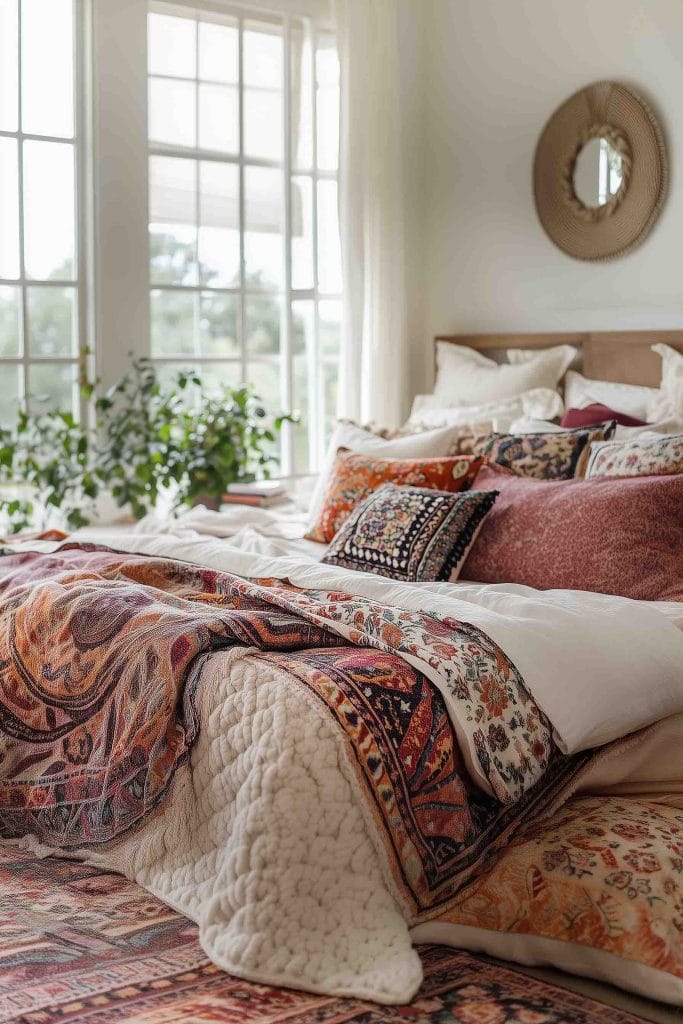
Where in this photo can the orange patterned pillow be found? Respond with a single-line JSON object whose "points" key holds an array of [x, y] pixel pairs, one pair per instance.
{"points": [[354, 476], [595, 890]]}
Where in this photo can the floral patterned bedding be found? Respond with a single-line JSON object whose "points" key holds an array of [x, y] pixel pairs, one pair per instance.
{"points": [[100, 660], [103, 705]]}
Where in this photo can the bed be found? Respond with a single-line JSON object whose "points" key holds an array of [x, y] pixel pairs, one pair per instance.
{"points": [[322, 767]]}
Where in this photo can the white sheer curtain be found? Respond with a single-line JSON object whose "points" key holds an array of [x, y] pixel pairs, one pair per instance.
{"points": [[373, 378]]}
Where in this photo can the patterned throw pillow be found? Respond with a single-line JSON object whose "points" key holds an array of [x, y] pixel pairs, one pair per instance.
{"points": [[410, 533], [557, 456], [354, 476], [608, 535], [409, 442], [643, 456], [594, 890]]}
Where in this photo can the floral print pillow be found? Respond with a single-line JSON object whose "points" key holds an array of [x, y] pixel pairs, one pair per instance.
{"points": [[559, 455], [355, 476], [599, 885], [410, 533], [643, 456]]}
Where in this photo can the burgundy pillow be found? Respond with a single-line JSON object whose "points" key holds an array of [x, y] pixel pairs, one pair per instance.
{"points": [[611, 535], [597, 413]]}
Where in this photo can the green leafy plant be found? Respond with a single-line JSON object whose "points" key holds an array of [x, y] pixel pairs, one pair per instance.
{"points": [[49, 455], [230, 441], [150, 440], [179, 440]]}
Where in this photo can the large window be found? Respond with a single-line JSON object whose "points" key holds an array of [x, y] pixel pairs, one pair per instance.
{"points": [[245, 270], [40, 299]]}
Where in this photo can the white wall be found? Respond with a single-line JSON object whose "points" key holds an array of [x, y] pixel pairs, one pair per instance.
{"points": [[492, 73]]}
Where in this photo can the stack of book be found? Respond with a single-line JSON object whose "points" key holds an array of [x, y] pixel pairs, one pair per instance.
{"points": [[260, 494]]}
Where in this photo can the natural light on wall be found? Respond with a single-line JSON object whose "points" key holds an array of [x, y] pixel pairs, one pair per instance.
{"points": [[39, 277], [244, 240]]}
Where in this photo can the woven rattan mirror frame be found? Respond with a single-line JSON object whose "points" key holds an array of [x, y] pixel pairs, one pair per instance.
{"points": [[603, 233]]}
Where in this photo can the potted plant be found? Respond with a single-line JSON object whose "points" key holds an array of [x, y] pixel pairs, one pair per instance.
{"points": [[150, 440], [46, 472], [180, 440]]}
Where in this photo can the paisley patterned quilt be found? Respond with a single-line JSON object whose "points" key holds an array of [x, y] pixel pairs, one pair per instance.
{"points": [[100, 657]]}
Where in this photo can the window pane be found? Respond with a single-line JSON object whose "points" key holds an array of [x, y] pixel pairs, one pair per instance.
{"points": [[52, 386], [265, 376], [218, 325], [173, 323], [263, 80], [263, 124], [167, 375], [263, 235], [329, 313], [172, 254], [216, 376], [172, 212], [330, 381], [9, 209], [49, 214], [302, 233], [302, 96], [219, 118], [10, 323], [10, 377], [218, 52], [327, 103], [219, 236], [47, 90], [263, 55], [303, 381], [9, 65], [329, 252], [263, 325], [171, 46], [52, 322], [172, 113]]}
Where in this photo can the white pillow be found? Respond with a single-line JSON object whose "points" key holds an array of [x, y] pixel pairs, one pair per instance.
{"points": [[466, 377], [528, 425], [632, 399], [426, 444], [432, 411], [523, 355], [667, 402]]}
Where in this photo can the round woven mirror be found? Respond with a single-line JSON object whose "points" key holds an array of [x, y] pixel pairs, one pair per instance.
{"points": [[600, 172]]}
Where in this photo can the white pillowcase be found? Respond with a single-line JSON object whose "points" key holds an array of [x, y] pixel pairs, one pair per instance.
{"points": [[632, 399], [432, 411], [466, 377], [424, 445], [667, 403]]}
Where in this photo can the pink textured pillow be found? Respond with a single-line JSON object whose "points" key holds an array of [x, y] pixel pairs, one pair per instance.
{"points": [[609, 535]]}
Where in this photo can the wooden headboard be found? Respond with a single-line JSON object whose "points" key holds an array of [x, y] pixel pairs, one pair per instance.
{"points": [[624, 356]]}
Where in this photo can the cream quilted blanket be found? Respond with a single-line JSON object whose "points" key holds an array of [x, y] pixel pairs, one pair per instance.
{"points": [[263, 842]]}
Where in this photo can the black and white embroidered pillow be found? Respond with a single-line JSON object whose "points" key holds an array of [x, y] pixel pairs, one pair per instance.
{"points": [[410, 533]]}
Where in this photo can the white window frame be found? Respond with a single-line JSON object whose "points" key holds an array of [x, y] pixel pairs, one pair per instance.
{"points": [[83, 223], [120, 151]]}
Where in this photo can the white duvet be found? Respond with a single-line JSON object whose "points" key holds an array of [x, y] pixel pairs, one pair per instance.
{"points": [[265, 840]]}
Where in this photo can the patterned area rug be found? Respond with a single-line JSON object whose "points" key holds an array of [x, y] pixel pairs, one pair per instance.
{"points": [[79, 945]]}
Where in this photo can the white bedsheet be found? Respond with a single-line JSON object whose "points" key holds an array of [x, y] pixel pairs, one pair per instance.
{"points": [[275, 531]]}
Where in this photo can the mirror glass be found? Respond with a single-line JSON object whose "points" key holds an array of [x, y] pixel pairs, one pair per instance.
{"points": [[597, 172]]}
